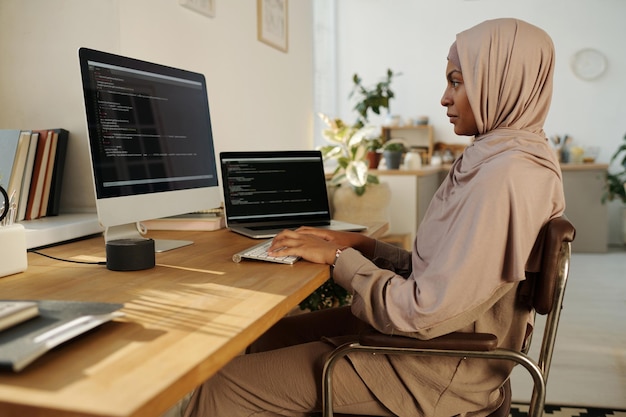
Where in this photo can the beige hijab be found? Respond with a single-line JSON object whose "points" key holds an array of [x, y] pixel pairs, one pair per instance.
{"points": [[507, 67], [480, 227]]}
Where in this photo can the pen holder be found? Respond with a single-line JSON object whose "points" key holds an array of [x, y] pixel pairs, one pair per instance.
{"points": [[12, 250]]}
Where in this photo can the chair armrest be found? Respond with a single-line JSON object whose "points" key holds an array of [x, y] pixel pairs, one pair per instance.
{"points": [[452, 341]]}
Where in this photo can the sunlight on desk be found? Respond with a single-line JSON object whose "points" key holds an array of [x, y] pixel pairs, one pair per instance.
{"points": [[182, 324]]}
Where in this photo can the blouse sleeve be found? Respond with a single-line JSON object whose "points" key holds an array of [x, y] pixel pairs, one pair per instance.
{"points": [[393, 258]]}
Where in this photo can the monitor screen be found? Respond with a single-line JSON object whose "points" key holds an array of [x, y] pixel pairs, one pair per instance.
{"points": [[150, 138]]}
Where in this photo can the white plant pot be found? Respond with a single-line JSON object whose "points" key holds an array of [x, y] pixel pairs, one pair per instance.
{"points": [[372, 206]]}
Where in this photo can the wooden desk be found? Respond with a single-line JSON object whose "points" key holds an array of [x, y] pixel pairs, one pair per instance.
{"points": [[185, 319]]}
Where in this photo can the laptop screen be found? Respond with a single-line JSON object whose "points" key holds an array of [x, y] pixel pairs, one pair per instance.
{"points": [[274, 187]]}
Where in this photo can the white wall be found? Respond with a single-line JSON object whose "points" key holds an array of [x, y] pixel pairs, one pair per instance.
{"points": [[260, 98], [413, 37]]}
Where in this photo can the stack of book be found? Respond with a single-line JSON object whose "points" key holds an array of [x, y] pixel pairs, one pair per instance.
{"points": [[30, 328], [201, 221], [31, 170]]}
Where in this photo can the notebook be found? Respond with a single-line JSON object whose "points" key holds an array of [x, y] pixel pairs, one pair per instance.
{"points": [[58, 322], [266, 192]]}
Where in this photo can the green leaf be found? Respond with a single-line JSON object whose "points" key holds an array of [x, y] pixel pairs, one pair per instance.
{"points": [[337, 179], [372, 179], [329, 294], [343, 162], [373, 98]]}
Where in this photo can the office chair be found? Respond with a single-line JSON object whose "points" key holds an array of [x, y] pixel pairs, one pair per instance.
{"points": [[548, 289]]}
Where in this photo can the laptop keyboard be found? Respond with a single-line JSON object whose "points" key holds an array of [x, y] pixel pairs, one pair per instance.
{"points": [[259, 252]]}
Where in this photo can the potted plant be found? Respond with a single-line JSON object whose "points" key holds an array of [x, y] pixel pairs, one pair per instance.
{"points": [[373, 155], [392, 152], [328, 295], [356, 195], [615, 188], [374, 98], [348, 147], [616, 181]]}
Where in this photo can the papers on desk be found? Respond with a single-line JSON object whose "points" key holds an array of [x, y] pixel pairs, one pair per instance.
{"points": [[16, 312], [57, 322]]}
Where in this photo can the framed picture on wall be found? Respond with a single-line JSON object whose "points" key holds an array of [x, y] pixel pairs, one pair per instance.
{"points": [[272, 22], [205, 7]]}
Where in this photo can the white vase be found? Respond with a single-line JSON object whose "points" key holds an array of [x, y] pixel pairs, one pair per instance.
{"points": [[412, 160], [372, 206]]}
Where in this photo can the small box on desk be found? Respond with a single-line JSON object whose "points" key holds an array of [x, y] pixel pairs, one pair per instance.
{"points": [[12, 250]]}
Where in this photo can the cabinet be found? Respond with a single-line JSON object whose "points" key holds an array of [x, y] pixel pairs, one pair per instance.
{"points": [[411, 192], [583, 185], [418, 137]]}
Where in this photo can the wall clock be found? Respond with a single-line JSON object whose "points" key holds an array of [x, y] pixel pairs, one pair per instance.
{"points": [[589, 63]]}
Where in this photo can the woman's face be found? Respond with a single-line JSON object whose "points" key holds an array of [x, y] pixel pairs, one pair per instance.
{"points": [[455, 99]]}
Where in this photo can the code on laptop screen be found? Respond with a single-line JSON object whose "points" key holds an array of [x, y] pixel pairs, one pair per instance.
{"points": [[265, 188]]}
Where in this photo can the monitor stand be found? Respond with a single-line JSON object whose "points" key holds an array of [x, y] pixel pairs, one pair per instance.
{"points": [[163, 245], [137, 231]]}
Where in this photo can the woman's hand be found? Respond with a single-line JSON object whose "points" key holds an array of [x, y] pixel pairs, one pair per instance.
{"points": [[365, 245], [319, 245], [310, 246]]}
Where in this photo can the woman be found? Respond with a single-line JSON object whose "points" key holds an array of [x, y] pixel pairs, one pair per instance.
{"points": [[467, 261]]}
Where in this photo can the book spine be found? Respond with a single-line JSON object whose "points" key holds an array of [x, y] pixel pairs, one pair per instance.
{"points": [[28, 175], [57, 174], [17, 176], [47, 183], [36, 186]]}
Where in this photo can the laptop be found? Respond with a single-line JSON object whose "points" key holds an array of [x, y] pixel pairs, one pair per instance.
{"points": [[266, 192]]}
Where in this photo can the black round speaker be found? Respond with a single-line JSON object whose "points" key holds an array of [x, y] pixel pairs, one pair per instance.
{"points": [[130, 254]]}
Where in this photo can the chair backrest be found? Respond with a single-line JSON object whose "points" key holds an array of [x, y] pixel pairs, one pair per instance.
{"points": [[553, 235], [552, 256]]}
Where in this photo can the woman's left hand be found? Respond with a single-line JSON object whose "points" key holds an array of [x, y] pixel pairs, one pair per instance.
{"points": [[307, 246]]}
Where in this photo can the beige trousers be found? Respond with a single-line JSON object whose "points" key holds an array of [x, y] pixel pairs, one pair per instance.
{"points": [[281, 373]]}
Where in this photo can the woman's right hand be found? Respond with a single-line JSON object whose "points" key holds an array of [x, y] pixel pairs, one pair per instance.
{"points": [[305, 245]]}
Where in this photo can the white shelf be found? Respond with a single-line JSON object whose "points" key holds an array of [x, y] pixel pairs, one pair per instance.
{"points": [[415, 136], [55, 229]]}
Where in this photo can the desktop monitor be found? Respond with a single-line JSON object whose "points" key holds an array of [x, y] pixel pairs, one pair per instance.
{"points": [[152, 152]]}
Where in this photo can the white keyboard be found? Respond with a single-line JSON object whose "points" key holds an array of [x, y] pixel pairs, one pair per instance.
{"points": [[259, 252]]}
